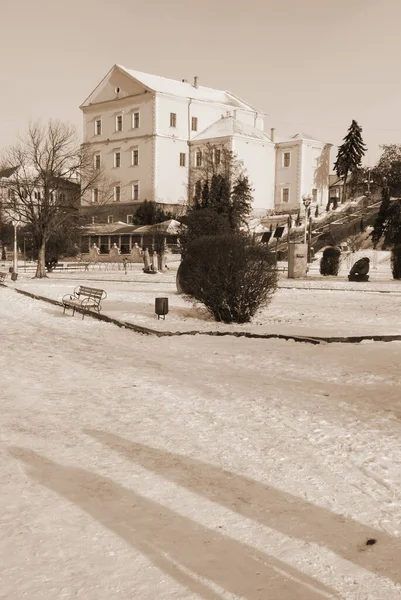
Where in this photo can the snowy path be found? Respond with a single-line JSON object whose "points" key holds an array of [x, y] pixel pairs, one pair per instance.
{"points": [[180, 468]]}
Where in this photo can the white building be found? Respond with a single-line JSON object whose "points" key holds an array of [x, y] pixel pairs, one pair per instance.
{"points": [[144, 131], [302, 168]]}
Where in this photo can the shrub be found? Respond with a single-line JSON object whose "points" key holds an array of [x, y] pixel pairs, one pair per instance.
{"points": [[330, 261], [396, 261], [230, 274]]}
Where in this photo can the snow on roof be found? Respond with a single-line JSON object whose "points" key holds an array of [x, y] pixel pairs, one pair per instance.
{"points": [[300, 136], [230, 126], [184, 89], [170, 227], [99, 228]]}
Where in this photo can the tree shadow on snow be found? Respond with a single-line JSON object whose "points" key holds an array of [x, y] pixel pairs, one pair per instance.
{"points": [[267, 505], [183, 549]]}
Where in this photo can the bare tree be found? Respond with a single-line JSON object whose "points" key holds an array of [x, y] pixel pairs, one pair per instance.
{"points": [[53, 171]]}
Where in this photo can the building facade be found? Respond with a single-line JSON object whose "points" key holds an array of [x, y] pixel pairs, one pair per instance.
{"points": [[145, 132]]}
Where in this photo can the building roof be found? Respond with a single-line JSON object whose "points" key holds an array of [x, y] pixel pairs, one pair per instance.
{"points": [[300, 136], [7, 172], [170, 227], [184, 89], [106, 228], [230, 127]]}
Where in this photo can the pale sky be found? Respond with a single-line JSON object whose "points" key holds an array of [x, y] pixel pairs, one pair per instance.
{"points": [[310, 65]]}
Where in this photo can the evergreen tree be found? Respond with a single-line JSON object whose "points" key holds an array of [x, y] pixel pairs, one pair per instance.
{"points": [[350, 154], [392, 225], [225, 198], [148, 213], [241, 202], [378, 228], [198, 193], [205, 195]]}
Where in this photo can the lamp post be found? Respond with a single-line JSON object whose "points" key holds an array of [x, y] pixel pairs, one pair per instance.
{"points": [[306, 200], [368, 182], [14, 274]]}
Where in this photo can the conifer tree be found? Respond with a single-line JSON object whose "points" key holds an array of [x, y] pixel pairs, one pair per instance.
{"points": [[205, 194], [379, 226], [241, 201], [350, 154]]}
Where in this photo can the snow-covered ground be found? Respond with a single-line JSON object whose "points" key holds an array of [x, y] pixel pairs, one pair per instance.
{"points": [[197, 467], [320, 306]]}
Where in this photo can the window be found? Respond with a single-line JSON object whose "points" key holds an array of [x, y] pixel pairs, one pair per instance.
{"points": [[135, 190], [135, 120], [198, 159], [182, 159], [194, 124], [98, 127], [93, 220], [110, 219], [286, 159], [314, 195], [117, 159], [117, 193], [95, 195], [217, 157], [173, 120], [130, 219], [285, 195], [96, 161], [135, 157], [119, 123], [62, 197]]}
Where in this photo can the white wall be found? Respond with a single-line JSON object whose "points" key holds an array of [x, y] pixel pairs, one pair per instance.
{"points": [[170, 178], [111, 140], [288, 177], [316, 163], [259, 162]]}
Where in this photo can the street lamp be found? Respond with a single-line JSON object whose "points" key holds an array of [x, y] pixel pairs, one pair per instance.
{"points": [[368, 182], [306, 200], [14, 274]]}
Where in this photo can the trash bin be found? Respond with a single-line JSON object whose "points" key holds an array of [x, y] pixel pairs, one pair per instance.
{"points": [[161, 307]]}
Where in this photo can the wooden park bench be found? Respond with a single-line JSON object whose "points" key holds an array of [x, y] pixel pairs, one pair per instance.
{"points": [[84, 299], [2, 277]]}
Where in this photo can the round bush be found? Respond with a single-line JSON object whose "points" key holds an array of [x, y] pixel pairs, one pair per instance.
{"points": [[396, 261], [232, 275], [330, 261]]}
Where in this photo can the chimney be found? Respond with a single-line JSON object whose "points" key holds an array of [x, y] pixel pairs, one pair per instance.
{"points": [[196, 82], [272, 134], [184, 80]]}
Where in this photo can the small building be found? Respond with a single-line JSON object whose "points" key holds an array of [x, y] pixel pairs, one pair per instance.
{"points": [[108, 235], [302, 169]]}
